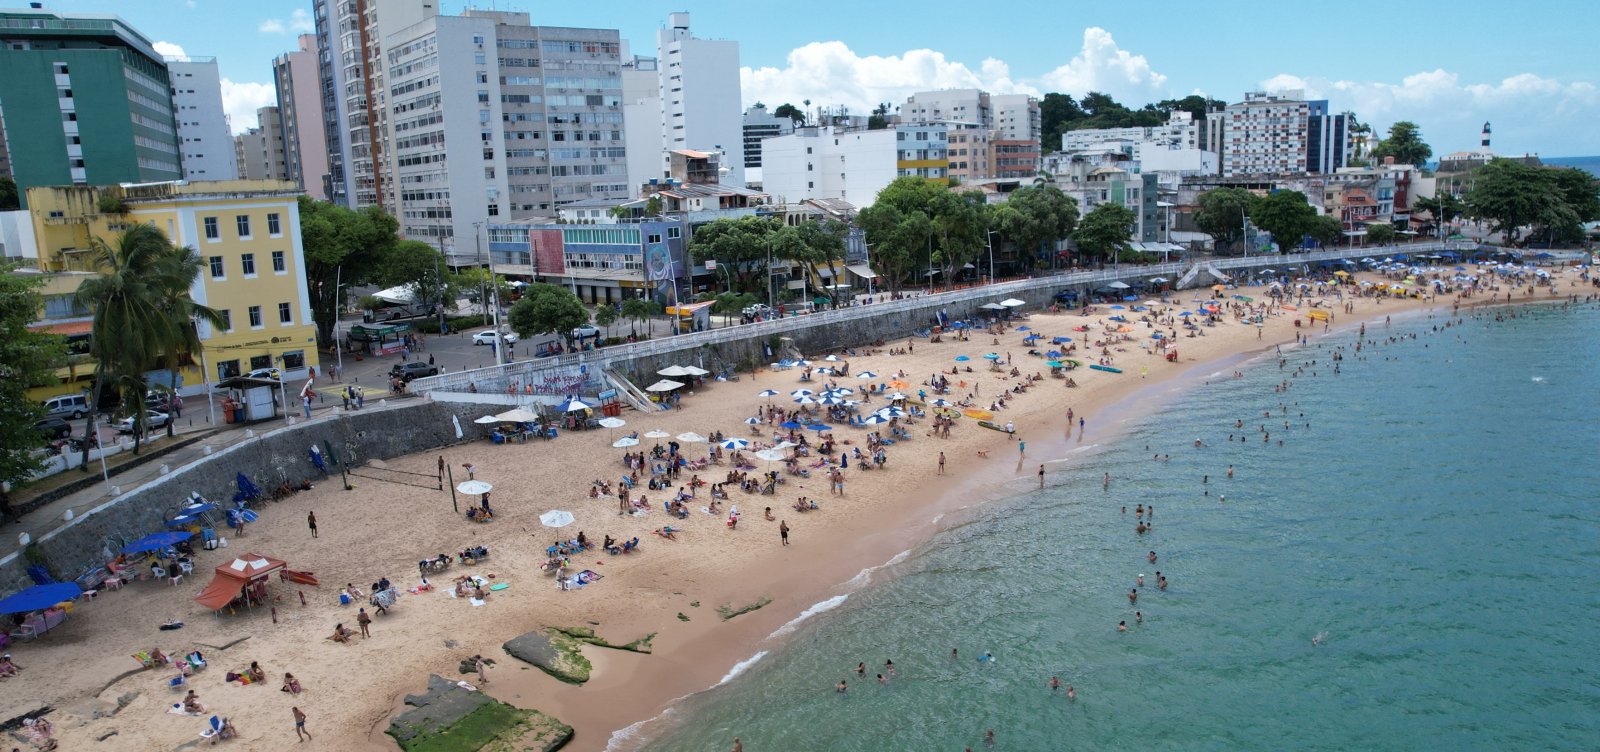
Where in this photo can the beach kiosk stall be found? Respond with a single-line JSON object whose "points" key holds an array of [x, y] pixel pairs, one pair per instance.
{"points": [[692, 317], [242, 581], [246, 399]]}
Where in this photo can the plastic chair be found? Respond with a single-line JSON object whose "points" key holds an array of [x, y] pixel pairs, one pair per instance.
{"points": [[158, 572], [186, 566], [216, 728], [176, 578]]}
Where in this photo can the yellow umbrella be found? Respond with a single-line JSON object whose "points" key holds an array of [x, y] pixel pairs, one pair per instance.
{"points": [[1341, 273]]}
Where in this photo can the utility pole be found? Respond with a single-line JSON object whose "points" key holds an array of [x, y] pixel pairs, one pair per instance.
{"points": [[1244, 223], [987, 242], [499, 338]]}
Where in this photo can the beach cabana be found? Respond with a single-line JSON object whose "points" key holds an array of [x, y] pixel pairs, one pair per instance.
{"points": [[244, 577]]}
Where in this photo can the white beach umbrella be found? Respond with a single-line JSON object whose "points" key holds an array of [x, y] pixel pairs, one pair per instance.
{"points": [[896, 397], [832, 359], [784, 445], [691, 438], [518, 415], [1013, 302], [866, 375], [612, 422], [625, 442], [801, 393], [731, 443], [474, 487], [672, 371], [487, 419], [656, 433], [664, 385], [556, 518], [695, 371], [770, 455]]}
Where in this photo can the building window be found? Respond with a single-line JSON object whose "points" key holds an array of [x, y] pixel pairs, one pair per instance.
{"points": [[674, 232], [212, 233], [274, 226], [260, 361], [280, 265], [285, 315], [255, 317], [242, 222], [655, 237], [227, 319], [227, 369], [217, 270], [249, 262], [294, 359]]}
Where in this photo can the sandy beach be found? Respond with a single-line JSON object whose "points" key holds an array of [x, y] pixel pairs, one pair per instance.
{"points": [[380, 529]]}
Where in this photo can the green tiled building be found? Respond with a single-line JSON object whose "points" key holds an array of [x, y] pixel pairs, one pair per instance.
{"points": [[84, 100]]}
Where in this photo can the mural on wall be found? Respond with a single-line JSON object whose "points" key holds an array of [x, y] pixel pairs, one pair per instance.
{"points": [[662, 268]]}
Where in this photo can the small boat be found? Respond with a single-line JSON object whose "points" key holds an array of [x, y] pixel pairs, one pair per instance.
{"points": [[1107, 369]]}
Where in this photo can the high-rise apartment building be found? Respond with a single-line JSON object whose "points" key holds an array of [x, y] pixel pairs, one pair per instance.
{"points": [[1282, 132], [305, 142], [973, 106], [259, 151], [530, 117], [350, 39], [700, 98], [203, 134], [758, 125], [990, 135], [829, 163], [641, 119], [969, 151], [84, 99], [1017, 117]]}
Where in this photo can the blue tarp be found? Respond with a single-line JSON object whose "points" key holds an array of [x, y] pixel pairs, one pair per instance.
{"points": [[155, 542], [248, 491], [40, 597]]}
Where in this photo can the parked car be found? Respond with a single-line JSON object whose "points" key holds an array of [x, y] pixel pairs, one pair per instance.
{"points": [[486, 337], [67, 406], [587, 330], [758, 309], [412, 370], [53, 428], [271, 374], [153, 419]]}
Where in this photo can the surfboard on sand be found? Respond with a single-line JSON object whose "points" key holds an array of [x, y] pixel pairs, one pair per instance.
{"points": [[1107, 369]]}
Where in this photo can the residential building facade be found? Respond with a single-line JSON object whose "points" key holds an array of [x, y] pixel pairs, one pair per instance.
{"points": [[247, 233], [260, 150], [1282, 132], [760, 124], [84, 99], [203, 134], [641, 119], [305, 142], [972, 106], [829, 163], [700, 95], [923, 150], [968, 151], [531, 117], [602, 263], [1017, 117]]}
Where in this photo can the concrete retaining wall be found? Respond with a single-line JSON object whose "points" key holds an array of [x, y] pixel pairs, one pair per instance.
{"points": [[269, 459]]}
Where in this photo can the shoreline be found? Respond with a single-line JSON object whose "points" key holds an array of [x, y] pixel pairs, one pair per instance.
{"points": [[382, 530]]}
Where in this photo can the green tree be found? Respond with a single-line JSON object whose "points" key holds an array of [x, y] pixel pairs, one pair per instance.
{"points": [[792, 112], [1511, 195], [10, 198], [1380, 234], [1285, 214], [959, 221], [1221, 212], [637, 310], [1056, 114], [898, 241], [879, 119], [182, 312], [741, 247], [816, 245], [1444, 207], [1580, 203], [1405, 144], [1035, 217], [1103, 233], [1327, 230], [420, 268], [545, 309], [731, 304], [342, 247], [27, 359], [605, 316]]}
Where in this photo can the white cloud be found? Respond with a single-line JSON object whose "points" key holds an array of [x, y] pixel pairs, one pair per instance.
{"points": [[272, 26], [241, 100], [1451, 112], [1104, 67], [830, 73], [168, 49], [300, 22]]}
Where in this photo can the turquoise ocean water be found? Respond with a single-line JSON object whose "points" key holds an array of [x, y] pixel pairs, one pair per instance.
{"points": [[1439, 521]]}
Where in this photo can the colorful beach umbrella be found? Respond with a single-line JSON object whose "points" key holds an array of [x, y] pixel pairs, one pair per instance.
{"points": [[732, 443], [962, 358]]}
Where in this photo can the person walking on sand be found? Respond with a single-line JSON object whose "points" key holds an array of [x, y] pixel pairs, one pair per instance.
{"points": [[362, 619], [311, 519], [783, 531], [941, 463], [482, 669], [300, 731]]}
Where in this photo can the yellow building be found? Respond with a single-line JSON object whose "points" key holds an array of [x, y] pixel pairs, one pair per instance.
{"points": [[247, 233]]}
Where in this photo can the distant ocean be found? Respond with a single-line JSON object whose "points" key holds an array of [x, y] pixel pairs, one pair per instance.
{"points": [[1591, 164], [1438, 524]]}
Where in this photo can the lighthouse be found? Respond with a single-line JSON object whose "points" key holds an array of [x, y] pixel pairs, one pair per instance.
{"points": [[1484, 147]]}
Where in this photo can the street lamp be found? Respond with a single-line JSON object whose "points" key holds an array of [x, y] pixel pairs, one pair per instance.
{"points": [[478, 228], [868, 246], [987, 233]]}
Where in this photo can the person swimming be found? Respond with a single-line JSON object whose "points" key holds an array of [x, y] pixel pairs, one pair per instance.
{"points": [[1320, 637], [987, 657]]}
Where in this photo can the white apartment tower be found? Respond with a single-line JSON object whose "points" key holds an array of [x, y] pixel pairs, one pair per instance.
{"points": [[700, 96], [971, 106], [350, 36], [1282, 132], [204, 139], [641, 116], [492, 120], [305, 144], [828, 162], [1017, 117]]}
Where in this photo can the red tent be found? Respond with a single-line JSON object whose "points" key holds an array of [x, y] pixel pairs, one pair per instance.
{"points": [[233, 577]]}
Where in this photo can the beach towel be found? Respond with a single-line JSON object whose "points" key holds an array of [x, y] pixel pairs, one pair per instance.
{"points": [[499, 586], [177, 709], [477, 602]]}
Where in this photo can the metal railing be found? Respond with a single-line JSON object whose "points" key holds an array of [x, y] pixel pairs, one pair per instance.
{"points": [[498, 377]]}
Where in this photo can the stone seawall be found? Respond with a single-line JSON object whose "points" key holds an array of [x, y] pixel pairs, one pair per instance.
{"points": [[272, 457]]}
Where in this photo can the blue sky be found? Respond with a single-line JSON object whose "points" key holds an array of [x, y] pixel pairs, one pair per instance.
{"points": [[1527, 67]]}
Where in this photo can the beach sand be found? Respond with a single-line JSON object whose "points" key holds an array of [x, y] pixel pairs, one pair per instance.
{"points": [[382, 529]]}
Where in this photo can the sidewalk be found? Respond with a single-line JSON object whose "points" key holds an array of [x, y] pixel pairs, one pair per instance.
{"points": [[52, 516]]}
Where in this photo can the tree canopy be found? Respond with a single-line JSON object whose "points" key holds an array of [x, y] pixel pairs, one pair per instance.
{"points": [[1103, 233], [545, 309], [741, 247], [1285, 214], [420, 267], [1221, 212], [792, 112], [1327, 230], [1034, 218], [1405, 144], [341, 247], [27, 359], [1554, 202]]}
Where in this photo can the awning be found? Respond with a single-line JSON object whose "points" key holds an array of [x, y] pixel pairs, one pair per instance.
{"points": [[222, 590], [251, 567], [402, 295], [862, 270], [826, 271]]}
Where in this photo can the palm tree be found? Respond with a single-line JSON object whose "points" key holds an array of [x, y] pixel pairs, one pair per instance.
{"points": [[143, 316]]}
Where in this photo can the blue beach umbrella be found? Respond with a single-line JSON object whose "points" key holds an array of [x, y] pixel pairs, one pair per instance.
{"points": [[1054, 354], [819, 427], [1024, 328], [791, 425], [962, 358], [731, 443], [1119, 308], [155, 542], [991, 356], [768, 393], [875, 420], [1054, 364], [1060, 340], [801, 393], [40, 597]]}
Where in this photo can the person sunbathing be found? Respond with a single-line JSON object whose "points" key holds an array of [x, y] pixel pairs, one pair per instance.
{"points": [[191, 704], [254, 673], [290, 684], [667, 532], [341, 633]]}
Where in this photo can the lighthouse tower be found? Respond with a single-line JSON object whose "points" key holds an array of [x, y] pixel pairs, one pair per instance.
{"points": [[1484, 147]]}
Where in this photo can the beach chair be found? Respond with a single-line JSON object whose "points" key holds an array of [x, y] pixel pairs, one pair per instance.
{"points": [[178, 682], [213, 728]]}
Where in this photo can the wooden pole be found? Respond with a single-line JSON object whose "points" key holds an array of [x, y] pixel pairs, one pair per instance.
{"points": [[451, 472]]}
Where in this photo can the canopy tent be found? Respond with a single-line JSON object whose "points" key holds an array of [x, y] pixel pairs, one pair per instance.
{"points": [[156, 542], [575, 405], [517, 415], [695, 371], [39, 597], [486, 420], [1013, 303], [673, 371], [401, 295], [233, 577], [664, 385], [1118, 285]]}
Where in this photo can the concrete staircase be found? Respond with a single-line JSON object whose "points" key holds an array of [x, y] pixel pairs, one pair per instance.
{"points": [[629, 393]]}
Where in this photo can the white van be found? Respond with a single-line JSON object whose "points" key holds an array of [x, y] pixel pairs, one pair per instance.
{"points": [[67, 406]]}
